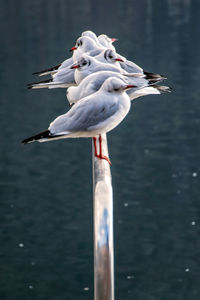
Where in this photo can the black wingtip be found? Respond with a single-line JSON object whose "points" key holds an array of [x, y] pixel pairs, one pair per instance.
{"points": [[30, 85], [37, 73], [47, 70], [41, 135], [150, 75], [163, 88]]}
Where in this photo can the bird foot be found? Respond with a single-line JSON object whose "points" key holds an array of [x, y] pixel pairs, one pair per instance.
{"points": [[104, 157]]}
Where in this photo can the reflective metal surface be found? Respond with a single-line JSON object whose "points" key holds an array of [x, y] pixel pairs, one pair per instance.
{"points": [[103, 227]]}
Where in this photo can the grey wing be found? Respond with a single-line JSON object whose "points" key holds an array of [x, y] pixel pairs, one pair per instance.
{"points": [[84, 89], [65, 75], [66, 63], [90, 85], [107, 67], [94, 114], [131, 67], [84, 114], [93, 82], [89, 88], [94, 52]]}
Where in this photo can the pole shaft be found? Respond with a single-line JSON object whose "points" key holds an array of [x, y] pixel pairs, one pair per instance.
{"points": [[103, 227]]}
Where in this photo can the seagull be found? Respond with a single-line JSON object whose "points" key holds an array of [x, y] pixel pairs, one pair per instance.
{"points": [[92, 116], [90, 85], [93, 82], [88, 64], [84, 44]]}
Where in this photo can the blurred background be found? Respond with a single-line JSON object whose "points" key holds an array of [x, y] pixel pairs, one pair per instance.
{"points": [[46, 230]]}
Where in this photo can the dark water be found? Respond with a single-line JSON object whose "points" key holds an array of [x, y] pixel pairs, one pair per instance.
{"points": [[46, 189]]}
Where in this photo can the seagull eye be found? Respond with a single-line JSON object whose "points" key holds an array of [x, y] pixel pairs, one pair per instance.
{"points": [[116, 89], [84, 63], [79, 43], [110, 56]]}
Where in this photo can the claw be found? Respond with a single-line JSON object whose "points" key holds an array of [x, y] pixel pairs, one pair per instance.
{"points": [[100, 155], [104, 157]]}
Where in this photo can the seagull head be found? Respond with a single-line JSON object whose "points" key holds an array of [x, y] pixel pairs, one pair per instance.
{"points": [[85, 43], [111, 56], [81, 64], [105, 40], [116, 86]]}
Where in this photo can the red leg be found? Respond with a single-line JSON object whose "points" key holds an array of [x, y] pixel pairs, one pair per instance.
{"points": [[95, 146], [100, 145], [101, 156], [100, 149]]}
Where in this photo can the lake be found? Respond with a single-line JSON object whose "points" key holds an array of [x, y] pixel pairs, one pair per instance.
{"points": [[46, 227]]}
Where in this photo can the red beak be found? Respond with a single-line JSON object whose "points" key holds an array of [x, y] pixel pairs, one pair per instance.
{"points": [[119, 59], [130, 86], [114, 40], [73, 48], [75, 66]]}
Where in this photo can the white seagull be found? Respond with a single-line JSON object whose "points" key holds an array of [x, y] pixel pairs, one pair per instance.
{"points": [[93, 82], [92, 116], [84, 44], [87, 65]]}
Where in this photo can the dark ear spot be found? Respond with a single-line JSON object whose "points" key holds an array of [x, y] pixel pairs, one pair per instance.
{"points": [[105, 54], [110, 54]]}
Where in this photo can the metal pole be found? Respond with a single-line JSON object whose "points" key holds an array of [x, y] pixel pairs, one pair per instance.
{"points": [[103, 227]]}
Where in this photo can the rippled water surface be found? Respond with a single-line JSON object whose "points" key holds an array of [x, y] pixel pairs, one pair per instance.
{"points": [[46, 189]]}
